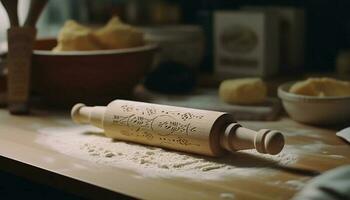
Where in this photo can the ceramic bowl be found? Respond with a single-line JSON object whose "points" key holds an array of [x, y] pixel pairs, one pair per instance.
{"points": [[95, 77], [315, 110]]}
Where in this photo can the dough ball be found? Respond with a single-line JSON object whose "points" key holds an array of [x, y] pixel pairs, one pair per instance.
{"points": [[117, 35], [76, 37], [243, 91], [321, 87]]}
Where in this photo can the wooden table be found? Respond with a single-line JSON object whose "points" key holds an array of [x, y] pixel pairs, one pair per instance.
{"points": [[21, 155]]}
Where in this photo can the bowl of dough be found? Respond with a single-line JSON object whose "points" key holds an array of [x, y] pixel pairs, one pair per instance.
{"points": [[317, 101], [94, 65]]}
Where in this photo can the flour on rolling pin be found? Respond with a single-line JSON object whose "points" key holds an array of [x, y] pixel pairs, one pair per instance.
{"points": [[190, 130]]}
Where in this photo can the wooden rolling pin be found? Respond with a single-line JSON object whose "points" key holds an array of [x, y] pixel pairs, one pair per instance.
{"points": [[185, 129]]}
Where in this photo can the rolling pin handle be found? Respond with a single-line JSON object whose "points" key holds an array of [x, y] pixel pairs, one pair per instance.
{"points": [[77, 116], [265, 141], [269, 141], [83, 114]]}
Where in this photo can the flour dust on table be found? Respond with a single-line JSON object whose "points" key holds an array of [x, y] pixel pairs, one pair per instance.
{"points": [[89, 143]]}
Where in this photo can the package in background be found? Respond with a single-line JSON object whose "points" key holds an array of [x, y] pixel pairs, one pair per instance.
{"points": [[292, 35], [246, 43]]}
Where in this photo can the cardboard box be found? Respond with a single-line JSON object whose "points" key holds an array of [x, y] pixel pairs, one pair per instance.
{"points": [[292, 35], [246, 43]]}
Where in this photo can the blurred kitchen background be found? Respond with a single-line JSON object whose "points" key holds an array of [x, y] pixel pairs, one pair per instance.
{"points": [[327, 22]]}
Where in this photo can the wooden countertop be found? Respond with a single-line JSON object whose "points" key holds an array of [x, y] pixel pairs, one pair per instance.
{"points": [[21, 155]]}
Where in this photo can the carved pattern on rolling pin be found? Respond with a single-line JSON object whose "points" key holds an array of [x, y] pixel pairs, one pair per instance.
{"points": [[163, 124], [178, 140], [149, 111], [143, 121]]}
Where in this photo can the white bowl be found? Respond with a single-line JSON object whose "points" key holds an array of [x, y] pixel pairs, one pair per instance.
{"points": [[315, 110]]}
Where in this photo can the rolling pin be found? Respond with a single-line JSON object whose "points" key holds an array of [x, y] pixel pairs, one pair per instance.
{"points": [[190, 130]]}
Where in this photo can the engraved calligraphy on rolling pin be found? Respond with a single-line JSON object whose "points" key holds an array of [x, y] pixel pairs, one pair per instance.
{"points": [[198, 131]]}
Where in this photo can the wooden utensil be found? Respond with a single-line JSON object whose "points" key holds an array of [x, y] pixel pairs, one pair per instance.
{"points": [[35, 9], [11, 9], [192, 130], [20, 47]]}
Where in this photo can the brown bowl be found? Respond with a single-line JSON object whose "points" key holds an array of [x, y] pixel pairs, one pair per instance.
{"points": [[94, 77]]}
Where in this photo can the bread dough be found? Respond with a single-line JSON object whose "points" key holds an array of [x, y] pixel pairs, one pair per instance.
{"points": [[76, 37], [321, 87], [243, 91], [116, 35]]}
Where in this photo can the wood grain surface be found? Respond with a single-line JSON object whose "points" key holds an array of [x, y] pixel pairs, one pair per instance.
{"points": [[21, 155]]}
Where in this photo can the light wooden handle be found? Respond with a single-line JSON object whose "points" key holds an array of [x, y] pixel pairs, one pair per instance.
{"points": [[265, 141], [82, 114]]}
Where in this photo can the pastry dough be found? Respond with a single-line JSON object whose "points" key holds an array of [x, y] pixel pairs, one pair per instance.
{"points": [[76, 37], [116, 35], [243, 91], [321, 87]]}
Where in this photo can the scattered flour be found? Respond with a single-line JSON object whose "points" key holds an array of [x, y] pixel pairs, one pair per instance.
{"points": [[301, 132], [296, 184], [89, 143], [226, 196], [336, 156]]}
